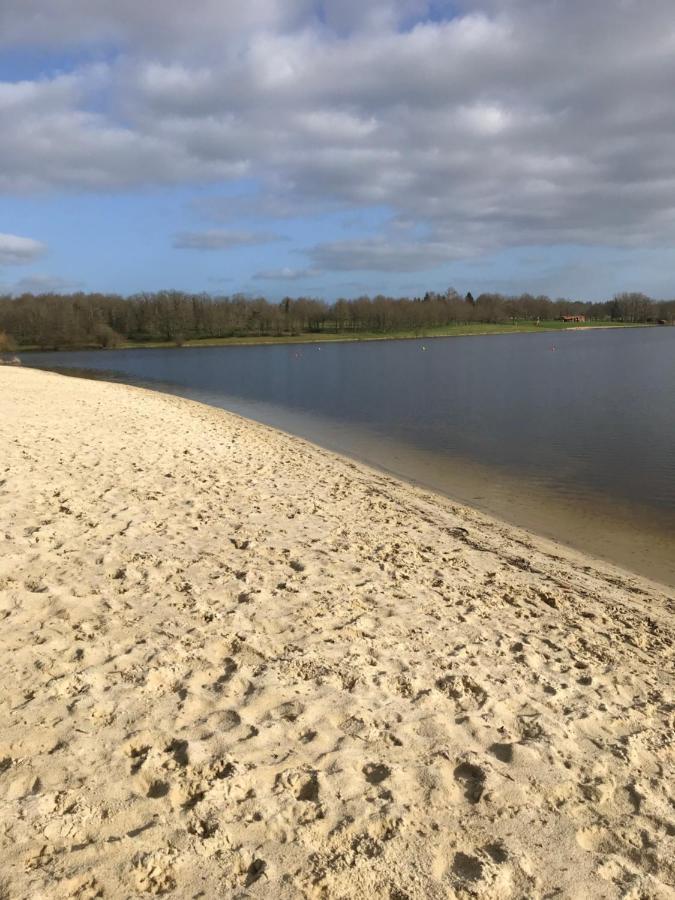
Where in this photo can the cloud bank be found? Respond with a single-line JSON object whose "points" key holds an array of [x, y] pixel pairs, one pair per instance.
{"points": [[483, 124]]}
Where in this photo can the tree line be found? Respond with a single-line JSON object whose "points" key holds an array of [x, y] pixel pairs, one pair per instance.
{"points": [[51, 321]]}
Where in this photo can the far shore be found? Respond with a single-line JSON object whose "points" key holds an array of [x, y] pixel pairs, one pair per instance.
{"points": [[479, 329], [237, 664]]}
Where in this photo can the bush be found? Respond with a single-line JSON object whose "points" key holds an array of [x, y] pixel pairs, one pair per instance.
{"points": [[107, 337], [6, 343]]}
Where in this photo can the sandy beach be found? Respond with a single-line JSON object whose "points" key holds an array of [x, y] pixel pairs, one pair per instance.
{"points": [[237, 665]]}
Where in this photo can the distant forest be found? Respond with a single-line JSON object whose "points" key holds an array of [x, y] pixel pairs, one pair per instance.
{"points": [[108, 320]]}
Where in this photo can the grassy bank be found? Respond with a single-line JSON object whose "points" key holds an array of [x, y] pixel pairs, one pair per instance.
{"points": [[459, 330], [476, 328]]}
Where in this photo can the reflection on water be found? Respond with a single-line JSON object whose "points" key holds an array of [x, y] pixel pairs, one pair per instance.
{"points": [[570, 434]]}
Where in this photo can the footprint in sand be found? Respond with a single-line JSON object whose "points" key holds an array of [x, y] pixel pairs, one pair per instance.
{"points": [[139, 756], [596, 840], [291, 710], [466, 693], [203, 828], [376, 773], [178, 750], [496, 852], [503, 752], [255, 871], [309, 792], [229, 668], [157, 789], [466, 867], [224, 720], [472, 779]]}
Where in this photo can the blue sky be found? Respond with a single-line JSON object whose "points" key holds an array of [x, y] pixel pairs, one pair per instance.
{"points": [[338, 148]]}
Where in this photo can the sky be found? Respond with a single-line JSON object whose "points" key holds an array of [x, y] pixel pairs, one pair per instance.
{"points": [[335, 148]]}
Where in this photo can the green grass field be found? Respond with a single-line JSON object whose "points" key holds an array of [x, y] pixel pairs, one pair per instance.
{"points": [[441, 331], [326, 336]]}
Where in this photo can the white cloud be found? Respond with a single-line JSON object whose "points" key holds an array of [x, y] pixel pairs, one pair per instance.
{"points": [[15, 250], [515, 122], [222, 240], [159, 24], [286, 274], [382, 255]]}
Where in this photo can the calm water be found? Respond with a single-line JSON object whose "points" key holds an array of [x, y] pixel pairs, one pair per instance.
{"points": [[570, 434]]}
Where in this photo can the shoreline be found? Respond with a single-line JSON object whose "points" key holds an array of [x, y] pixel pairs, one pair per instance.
{"points": [[544, 524], [593, 528], [265, 667], [368, 337]]}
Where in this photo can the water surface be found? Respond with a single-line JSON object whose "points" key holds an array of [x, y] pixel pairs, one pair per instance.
{"points": [[569, 434]]}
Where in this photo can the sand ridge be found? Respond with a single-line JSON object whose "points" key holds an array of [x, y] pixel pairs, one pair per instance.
{"points": [[237, 665]]}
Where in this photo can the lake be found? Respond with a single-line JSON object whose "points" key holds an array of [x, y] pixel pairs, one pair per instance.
{"points": [[569, 434]]}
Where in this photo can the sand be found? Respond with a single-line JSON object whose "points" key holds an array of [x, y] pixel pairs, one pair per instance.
{"points": [[237, 665]]}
